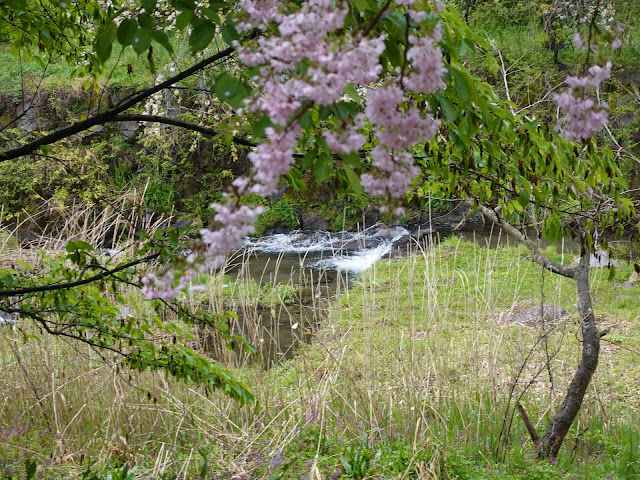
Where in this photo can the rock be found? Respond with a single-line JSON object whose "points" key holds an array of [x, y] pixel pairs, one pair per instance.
{"points": [[359, 244], [127, 129], [277, 230], [26, 238], [600, 259], [371, 216], [27, 116], [632, 282], [311, 222], [92, 134], [8, 317], [538, 314]]}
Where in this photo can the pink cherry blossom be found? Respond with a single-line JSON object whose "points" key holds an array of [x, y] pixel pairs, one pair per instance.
{"points": [[427, 65], [583, 117], [348, 140]]}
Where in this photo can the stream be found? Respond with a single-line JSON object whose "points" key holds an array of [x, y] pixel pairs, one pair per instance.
{"points": [[318, 266]]}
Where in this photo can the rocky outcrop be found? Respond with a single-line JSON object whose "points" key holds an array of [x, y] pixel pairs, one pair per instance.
{"points": [[537, 315]]}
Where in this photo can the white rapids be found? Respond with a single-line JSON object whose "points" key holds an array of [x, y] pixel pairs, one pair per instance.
{"points": [[352, 252]]}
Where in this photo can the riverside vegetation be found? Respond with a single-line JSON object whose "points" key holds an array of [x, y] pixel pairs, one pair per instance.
{"points": [[408, 376]]}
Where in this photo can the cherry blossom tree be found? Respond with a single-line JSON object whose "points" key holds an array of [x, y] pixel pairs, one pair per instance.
{"points": [[377, 93]]}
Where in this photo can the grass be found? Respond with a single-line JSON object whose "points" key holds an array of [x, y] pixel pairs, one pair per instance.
{"points": [[408, 376], [18, 74]]}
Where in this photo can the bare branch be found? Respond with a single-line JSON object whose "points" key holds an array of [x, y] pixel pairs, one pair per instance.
{"points": [[538, 257], [178, 123], [77, 283], [527, 423], [110, 114]]}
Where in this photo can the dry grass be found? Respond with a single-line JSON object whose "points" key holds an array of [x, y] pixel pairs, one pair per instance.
{"points": [[412, 351]]}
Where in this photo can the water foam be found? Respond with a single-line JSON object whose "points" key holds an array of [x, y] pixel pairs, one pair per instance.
{"points": [[352, 252]]}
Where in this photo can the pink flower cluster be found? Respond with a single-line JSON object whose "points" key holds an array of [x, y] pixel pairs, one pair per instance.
{"points": [[396, 127], [399, 125], [166, 286], [272, 159], [303, 36], [260, 12], [347, 140], [426, 61], [595, 76], [583, 117], [399, 171], [237, 222]]}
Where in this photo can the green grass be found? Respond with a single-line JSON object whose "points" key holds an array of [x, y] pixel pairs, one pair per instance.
{"points": [[18, 74], [408, 377]]}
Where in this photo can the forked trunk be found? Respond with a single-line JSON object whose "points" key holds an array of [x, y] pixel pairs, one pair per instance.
{"points": [[557, 431], [561, 423]]}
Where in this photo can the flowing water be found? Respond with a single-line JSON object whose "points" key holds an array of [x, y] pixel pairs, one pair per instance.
{"points": [[318, 266]]}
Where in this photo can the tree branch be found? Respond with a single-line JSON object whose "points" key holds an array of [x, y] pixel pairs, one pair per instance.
{"points": [[44, 324], [77, 283], [527, 423], [178, 123], [110, 114], [538, 257]]}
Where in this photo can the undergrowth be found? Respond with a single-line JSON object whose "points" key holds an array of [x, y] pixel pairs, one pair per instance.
{"points": [[408, 376]]}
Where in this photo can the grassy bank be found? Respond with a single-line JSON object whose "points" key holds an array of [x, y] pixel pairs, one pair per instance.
{"points": [[413, 374]]}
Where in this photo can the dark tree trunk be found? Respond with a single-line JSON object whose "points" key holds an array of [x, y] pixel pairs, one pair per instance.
{"points": [[557, 431], [561, 423]]}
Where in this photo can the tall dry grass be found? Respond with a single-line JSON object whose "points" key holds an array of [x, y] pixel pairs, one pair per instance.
{"points": [[419, 350]]}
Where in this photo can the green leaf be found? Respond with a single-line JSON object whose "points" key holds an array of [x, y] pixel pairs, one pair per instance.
{"points": [[351, 90], [346, 110], [141, 40], [450, 112], [354, 180], [17, 4], [229, 33], [523, 198], [306, 121], [145, 21], [184, 19], [463, 83], [230, 90], [126, 31], [352, 159], [612, 272], [78, 245], [184, 4], [163, 39], [260, 126], [393, 53], [211, 14], [104, 41], [309, 158], [30, 467], [322, 167], [202, 35], [149, 5]]}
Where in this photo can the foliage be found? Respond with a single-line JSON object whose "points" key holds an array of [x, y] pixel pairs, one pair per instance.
{"points": [[58, 297], [425, 122]]}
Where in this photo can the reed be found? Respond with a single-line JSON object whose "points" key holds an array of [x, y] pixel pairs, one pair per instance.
{"points": [[412, 372]]}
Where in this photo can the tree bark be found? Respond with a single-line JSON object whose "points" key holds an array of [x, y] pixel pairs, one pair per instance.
{"points": [[561, 423], [559, 427]]}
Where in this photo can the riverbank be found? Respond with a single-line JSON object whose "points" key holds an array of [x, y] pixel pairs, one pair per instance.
{"points": [[408, 376]]}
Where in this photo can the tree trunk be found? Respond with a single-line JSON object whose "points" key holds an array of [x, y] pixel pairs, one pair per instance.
{"points": [[561, 423]]}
